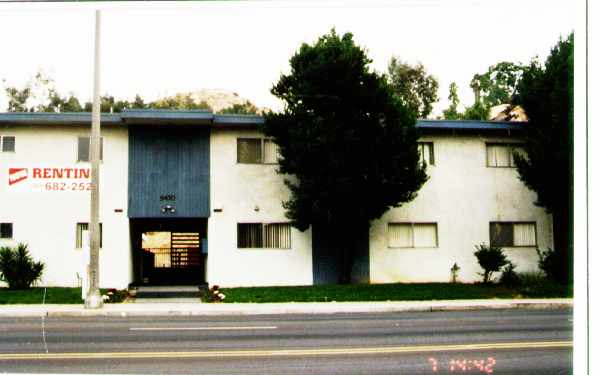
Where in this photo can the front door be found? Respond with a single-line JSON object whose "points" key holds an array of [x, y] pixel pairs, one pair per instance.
{"points": [[169, 254]]}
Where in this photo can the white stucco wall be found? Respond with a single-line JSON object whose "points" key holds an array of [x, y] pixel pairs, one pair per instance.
{"points": [[238, 189], [46, 221], [462, 196]]}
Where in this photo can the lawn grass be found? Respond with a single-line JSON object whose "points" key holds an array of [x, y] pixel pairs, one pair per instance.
{"points": [[393, 292], [54, 295]]}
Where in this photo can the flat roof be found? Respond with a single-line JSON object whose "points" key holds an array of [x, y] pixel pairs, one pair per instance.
{"points": [[207, 118]]}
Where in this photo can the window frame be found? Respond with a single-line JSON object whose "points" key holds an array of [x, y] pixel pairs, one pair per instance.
{"points": [[511, 146], [512, 223], [89, 149], [11, 231], [263, 241], [262, 140], [2, 144], [412, 224], [79, 235], [431, 155]]}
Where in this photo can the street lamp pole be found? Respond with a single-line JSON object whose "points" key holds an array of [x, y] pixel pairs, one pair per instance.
{"points": [[93, 298]]}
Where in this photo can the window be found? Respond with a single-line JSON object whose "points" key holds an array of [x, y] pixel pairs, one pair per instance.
{"points": [[6, 230], [426, 153], [7, 143], [502, 155], [83, 148], [82, 233], [256, 151], [412, 235], [518, 234], [268, 236]]}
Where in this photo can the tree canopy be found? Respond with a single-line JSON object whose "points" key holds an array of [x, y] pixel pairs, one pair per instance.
{"points": [[546, 94], [451, 113], [416, 88], [41, 95], [348, 144]]}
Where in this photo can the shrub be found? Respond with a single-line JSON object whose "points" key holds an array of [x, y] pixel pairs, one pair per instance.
{"points": [[18, 268], [509, 277], [491, 259], [549, 262]]}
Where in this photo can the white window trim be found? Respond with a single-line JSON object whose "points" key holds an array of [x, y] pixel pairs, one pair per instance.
{"points": [[89, 149], [81, 240], [512, 223], [262, 151], [263, 229], [431, 153], [2, 144], [437, 236], [511, 145]]}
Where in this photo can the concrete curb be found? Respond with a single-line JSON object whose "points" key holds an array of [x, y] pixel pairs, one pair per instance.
{"points": [[204, 309]]}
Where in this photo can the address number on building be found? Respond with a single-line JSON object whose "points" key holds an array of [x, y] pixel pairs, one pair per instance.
{"points": [[168, 197]]}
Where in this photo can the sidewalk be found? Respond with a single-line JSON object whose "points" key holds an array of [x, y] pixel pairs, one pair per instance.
{"points": [[214, 309]]}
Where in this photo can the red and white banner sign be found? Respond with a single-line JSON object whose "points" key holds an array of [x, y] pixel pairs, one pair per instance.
{"points": [[75, 178]]}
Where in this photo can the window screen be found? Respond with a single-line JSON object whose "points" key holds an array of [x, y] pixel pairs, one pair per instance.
{"points": [[278, 236], [512, 234], [6, 230], [82, 233], [249, 150], [502, 155], [83, 148], [249, 235], [8, 143], [426, 153], [412, 235], [270, 152], [268, 236]]}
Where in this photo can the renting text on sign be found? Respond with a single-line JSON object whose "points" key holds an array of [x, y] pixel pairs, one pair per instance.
{"points": [[49, 178]]}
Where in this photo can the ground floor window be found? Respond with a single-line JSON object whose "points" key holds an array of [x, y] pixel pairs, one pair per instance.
{"points": [[410, 235], [513, 234], [259, 235], [6, 230], [82, 234]]}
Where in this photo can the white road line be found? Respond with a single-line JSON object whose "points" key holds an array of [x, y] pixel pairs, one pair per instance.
{"points": [[201, 328]]}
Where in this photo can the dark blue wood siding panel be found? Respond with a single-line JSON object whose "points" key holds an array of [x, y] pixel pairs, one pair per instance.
{"points": [[164, 161]]}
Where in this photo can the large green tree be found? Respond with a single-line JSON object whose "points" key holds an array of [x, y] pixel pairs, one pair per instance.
{"points": [[416, 88], [348, 145], [546, 94]]}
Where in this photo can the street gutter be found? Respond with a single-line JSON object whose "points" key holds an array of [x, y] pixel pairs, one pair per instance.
{"points": [[232, 309]]}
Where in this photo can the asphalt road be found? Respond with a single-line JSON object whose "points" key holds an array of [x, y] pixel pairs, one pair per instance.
{"points": [[491, 341]]}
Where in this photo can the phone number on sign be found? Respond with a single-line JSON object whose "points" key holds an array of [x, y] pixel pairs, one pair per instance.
{"points": [[70, 186]]}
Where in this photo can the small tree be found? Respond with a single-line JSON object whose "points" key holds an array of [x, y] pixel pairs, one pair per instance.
{"points": [[491, 259], [17, 267]]}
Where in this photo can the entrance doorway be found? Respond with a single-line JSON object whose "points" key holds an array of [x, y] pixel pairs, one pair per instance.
{"points": [[169, 251]]}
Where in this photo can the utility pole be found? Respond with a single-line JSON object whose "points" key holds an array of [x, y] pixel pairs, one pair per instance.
{"points": [[94, 299]]}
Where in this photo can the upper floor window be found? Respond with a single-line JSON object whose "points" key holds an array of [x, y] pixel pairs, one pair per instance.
{"points": [[426, 153], [7, 143], [513, 234], [267, 236], [256, 151], [6, 230], [412, 235], [83, 148], [502, 154]]}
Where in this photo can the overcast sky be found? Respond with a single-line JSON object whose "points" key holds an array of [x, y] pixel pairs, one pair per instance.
{"points": [[163, 48]]}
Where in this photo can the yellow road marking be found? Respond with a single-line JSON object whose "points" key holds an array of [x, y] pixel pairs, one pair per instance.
{"points": [[200, 328], [292, 352]]}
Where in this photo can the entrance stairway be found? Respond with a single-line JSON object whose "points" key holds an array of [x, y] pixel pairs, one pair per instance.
{"points": [[166, 294]]}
